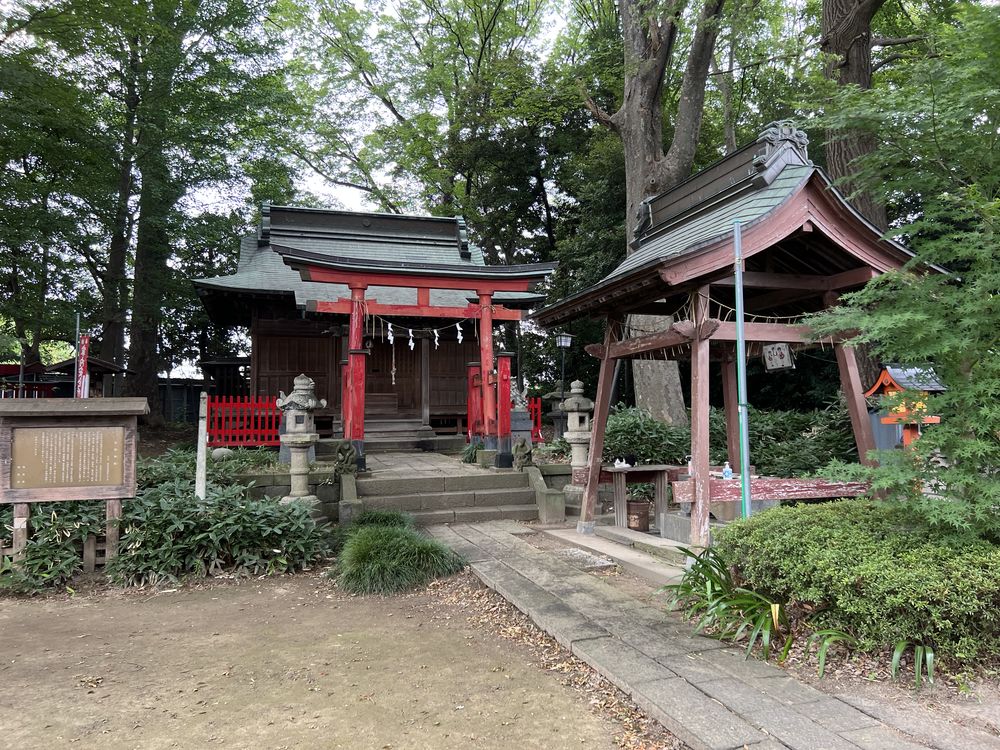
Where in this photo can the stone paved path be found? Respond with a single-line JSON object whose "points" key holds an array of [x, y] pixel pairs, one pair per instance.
{"points": [[702, 691], [418, 464]]}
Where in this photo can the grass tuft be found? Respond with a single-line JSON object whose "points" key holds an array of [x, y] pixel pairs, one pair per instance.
{"points": [[389, 559]]}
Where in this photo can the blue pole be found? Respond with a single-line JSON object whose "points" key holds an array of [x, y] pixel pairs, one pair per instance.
{"points": [[741, 375]]}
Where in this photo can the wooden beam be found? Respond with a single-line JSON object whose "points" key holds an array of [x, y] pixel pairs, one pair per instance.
{"points": [[343, 307], [771, 488], [770, 332], [763, 280], [700, 422], [599, 422]]}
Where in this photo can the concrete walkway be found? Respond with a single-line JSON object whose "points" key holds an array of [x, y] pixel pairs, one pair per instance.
{"points": [[702, 691]]}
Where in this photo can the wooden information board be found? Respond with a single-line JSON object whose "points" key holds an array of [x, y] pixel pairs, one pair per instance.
{"points": [[68, 449], [54, 449]]}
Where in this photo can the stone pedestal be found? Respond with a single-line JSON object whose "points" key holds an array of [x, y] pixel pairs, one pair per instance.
{"points": [[577, 409]]}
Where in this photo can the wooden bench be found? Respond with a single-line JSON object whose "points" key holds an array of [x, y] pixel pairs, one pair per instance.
{"points": [[659, 474], [769, 488]]}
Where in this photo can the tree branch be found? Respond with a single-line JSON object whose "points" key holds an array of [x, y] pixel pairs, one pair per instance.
{"points": [[608, 121], [881, 41]]}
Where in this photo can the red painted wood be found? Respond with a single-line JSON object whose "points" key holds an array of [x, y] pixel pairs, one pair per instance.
{"points": [[486, 363], [770, 332], [771, 488], [356, 364], [242, 421], [481, 284], [535, 411], [474, 403], [423, 297], [343, 307], [345, 401], [503, 395]]}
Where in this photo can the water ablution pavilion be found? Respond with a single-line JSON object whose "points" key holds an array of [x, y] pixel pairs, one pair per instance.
{"points": [[803, 244]]}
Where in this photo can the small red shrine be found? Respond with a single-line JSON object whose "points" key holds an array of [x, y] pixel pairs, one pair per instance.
{"points": [[803, 244], [910, 415], [392, 316]]}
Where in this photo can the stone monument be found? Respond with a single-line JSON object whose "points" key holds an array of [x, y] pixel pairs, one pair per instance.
{"points": [[299, 435], [577, 409]]}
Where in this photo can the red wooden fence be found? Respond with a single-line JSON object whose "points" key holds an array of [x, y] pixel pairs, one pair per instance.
{"points": [[535, 410], [242, 421]]}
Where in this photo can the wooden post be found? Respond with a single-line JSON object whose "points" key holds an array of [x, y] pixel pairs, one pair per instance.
{"points": [[345, 397], [504, 458], [357, 356], [486, 363], [699, 421], [474, 403], [599, 422], [425, 382], [114, 512], [854, 392], [201, 468], [22, 511], [731, 402]]}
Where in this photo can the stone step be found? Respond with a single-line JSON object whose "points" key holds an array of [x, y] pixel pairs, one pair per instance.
{"points": [[400, 443], [467, 514], [665, 549], [455, 483], [451, 500]]}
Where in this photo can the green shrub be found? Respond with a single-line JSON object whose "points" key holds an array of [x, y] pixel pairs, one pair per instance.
{"points": [[871, 570], [374, 517], [388, 559], [169, 533], [181, 463], [782, 443], [54, 553]]}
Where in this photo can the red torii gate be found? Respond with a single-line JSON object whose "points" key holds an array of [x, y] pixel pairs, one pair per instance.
{"points": [[484, 281]]}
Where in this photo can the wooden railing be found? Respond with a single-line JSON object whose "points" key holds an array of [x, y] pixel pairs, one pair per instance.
{"points": [[242, 421]]}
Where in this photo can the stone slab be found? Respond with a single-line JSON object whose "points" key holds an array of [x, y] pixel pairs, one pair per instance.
{"points": [[797, 731], [880, 738], [734, 662], [836, 715], [519, 512], [471, 515], [699, 721], [584, 561], [619, 663], [737, 696], [485, 481], [693, 667]]}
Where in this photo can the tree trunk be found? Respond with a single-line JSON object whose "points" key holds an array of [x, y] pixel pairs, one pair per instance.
{"points": [[115, 302], [847, 34], [650, 33]]}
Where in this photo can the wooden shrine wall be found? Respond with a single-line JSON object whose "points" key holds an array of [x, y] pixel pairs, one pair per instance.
{"points": [[448, 374]]}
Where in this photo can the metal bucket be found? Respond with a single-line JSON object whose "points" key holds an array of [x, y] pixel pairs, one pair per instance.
{"points": [[638, 516]]}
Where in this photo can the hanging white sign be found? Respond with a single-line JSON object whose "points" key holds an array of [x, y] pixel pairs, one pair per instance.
{"points": [[778, 357]]}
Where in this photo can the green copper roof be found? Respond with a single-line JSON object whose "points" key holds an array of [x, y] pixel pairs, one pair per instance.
{"points": [[709, 225]]}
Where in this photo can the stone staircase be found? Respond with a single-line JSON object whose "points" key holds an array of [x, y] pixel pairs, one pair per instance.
{"points": [[394, 435], [463, 498]]}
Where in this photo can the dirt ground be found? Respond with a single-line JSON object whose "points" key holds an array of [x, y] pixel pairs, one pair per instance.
{"points": [[278, 663]]}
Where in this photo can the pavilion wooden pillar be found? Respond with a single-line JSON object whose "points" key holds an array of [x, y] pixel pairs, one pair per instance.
{"points": [[700, 463], [357, 356], [854, 392], [489, 401], [731, 406], [598, 424], [504, 457]]}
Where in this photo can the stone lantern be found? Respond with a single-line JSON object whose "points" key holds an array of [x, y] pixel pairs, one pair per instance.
{"points": [[577, 409], [300, 434]]}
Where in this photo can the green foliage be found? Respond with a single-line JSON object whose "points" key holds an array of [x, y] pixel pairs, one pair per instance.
{"points": [[923, 656], [169, 533], [938, 161], [709, 593], [181, 463], [872, 571], [54, 553], [380, 559], [827, 637], [469, 452], [782, 443]]}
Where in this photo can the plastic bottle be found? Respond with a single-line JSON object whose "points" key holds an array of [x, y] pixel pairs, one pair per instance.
{"points": [[727, 471]]}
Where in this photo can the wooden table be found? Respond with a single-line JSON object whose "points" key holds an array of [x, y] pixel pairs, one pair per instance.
{"points": [[659, 474]]}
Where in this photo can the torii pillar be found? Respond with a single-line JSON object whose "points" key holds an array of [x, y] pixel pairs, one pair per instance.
{"points": [[486, 363], [354, 416]]}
